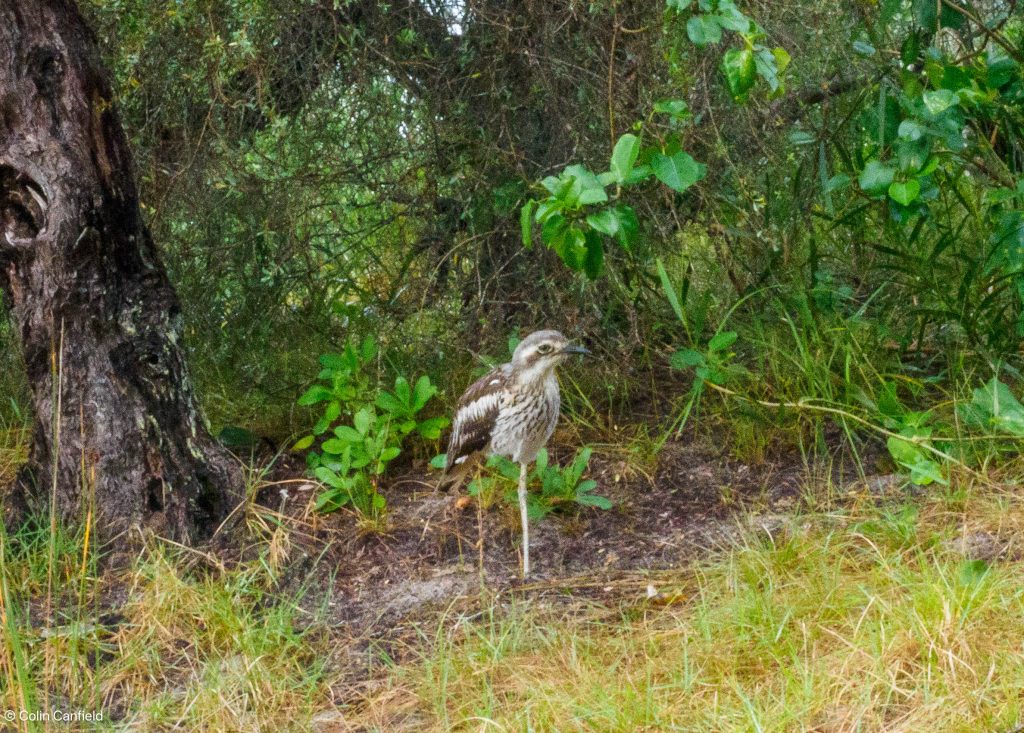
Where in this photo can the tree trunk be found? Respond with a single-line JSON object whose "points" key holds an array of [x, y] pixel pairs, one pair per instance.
{"points": [[100, 325]]}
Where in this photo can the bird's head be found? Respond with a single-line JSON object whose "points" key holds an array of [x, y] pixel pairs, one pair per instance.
{"points": [[544, 350]]}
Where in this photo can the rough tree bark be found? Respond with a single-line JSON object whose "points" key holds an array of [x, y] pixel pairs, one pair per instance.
{"points": [[100, 325]]}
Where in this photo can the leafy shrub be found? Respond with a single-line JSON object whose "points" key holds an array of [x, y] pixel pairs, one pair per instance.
{"points": [[559, 487], [357, 450]]}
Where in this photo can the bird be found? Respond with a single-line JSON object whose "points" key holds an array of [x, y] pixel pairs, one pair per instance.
{"points": [[512, 410]]}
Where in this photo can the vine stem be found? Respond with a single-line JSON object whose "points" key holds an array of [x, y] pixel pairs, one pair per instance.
{"points": [[804, 405]]}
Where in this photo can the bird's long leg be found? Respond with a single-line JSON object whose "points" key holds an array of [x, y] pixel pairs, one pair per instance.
{"points": [[525, 519]]}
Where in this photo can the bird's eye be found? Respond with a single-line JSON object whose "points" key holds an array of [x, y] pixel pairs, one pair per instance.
{"points": [[544, 349]]}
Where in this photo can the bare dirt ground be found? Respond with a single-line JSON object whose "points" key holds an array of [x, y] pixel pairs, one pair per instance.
{"points": [[375, 584]]}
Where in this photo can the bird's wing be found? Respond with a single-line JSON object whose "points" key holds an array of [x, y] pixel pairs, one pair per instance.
{"points": [[475, 415]]}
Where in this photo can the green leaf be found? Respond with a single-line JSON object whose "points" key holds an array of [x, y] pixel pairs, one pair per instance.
{"points": [[678, 5], [402, 390], [316, 393], [586, 187], [722, 340], [363, 419], [389, 454], [629, 226], [440, 461], [670, 292], [422, 393], [604, 221], [600, 502], [525, 223], [431, 429], [904, 192], [910, 130], [624, 156], [687, 359], [938, 101], [553, 229], [740, 71], [923, 470], [369, 348], [390, 404], [678, 171], [675, 107], [876, 177], [704, 29], [303, 443], [593, 260], [329, 477], [334, 446], [996, 407]]}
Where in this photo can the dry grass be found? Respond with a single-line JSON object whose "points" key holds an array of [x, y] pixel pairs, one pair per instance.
{"points": [[873, 620], [870, 619], [190, 648], [13, 451]]}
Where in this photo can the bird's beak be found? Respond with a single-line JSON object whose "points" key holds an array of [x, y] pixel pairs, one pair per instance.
{"points": [[575, 349]]}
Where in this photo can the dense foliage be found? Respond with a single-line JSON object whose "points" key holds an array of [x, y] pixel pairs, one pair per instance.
{"points": [[839, 186]]}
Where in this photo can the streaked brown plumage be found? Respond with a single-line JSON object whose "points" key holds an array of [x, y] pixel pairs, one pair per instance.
{"points": [[512, 410]]}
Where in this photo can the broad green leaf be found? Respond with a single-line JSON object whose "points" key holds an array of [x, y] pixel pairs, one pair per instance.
{"points": [[674, 107], [722, 340], [934, 14], [876, 177], [431, 429], [799, 137], [334, 362], [402, 390], [390, 404], [764, 63], [678, 5], [678, 171], [910, 130], [938, 101], [586, 187], [303, 443], [363, 419], [837, 182], [904, 192], [440, 461], [369, 348], [593, 500], [422, 392], [624, 156], [316, 393], [923, 470], [638, 174], [629, 225], [995, 407], [334, 446], [329, 477], [605, 221], [704, 29], [687, 358], [740, 71], [593, 260], [570, 245]]}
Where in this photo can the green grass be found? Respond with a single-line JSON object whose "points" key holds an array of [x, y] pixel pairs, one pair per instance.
{"points": [[866, 621], [191, 647]]}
